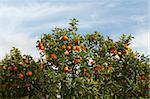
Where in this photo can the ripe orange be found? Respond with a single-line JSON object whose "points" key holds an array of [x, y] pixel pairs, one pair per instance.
{"points": [[76, 61], [141, 77], [126, 46], [126, 51], [92, 62], [66, 53], [10, 68], [68, 47], [86, 74], [112, 50], [63, 47], [21, 76], [74, 48], [78, 48], [65, 38], [29, 73], [99, 68], [40, 44], [53, 56], [119, 53], [66, 69], [41, 48], [15, 68], [4, 67]]}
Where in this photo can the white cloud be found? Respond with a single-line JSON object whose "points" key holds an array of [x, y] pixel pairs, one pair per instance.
{"points": [[13, 21], [141, 42], [18, 21], [19, 40]]}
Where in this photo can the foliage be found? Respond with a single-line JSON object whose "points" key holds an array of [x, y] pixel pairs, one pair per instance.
{"points": [[17, 74], [83, 66]]}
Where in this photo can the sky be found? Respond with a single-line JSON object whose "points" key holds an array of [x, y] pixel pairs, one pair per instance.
{"points": [[22, 22]]}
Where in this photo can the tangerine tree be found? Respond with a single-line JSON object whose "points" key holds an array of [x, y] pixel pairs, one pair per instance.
{"points": [[74, 66], [92, 66], [17, 74]]}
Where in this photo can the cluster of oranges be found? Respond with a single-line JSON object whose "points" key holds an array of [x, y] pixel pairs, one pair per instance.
{"points": [[67, 69], [41, 46], [69, 47], [122, 52], [141, 77], [102, 68], [14, 70], [21, 75], [63, 47], [53, 56]]}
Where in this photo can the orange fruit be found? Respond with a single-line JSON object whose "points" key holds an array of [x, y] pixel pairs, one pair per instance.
{"points": [[78, 48], [21, 76], [10, 68], [4, 67], [41, 48], [93, 62], [66, 69], [29, 73], [74, 48], [40, 44], [126, 51], [65, 38], [141, 77], [126, 46], [119, 53], [86, 74], [53, 56], [99, 68], [76, 61], [68, 47], [66, 53], [112, 50], [63, 47], [15, 68]]}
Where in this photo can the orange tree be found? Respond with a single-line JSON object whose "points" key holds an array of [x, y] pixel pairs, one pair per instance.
{"points": [[91, 66], [17, 74], [76, 66]]}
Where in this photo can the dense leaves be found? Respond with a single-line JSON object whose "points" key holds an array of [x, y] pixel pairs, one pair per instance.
{"points": [[80, 66], [17, 74]]}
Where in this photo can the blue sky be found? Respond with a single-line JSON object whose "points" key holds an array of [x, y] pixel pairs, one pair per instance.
{"points": [[23, 21]]}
